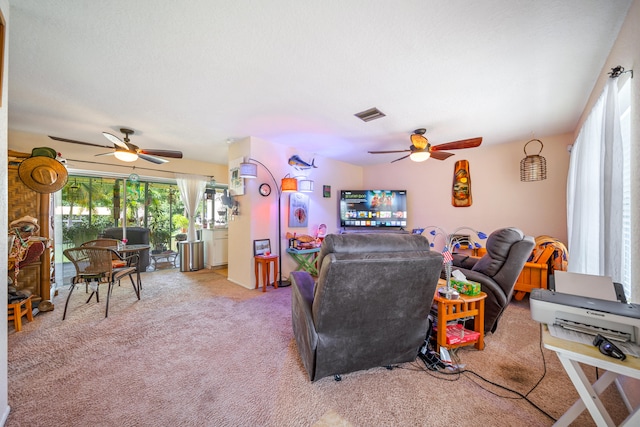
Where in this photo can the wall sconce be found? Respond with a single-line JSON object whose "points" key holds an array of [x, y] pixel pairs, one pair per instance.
{"points": [[305, 186], [533, 167]]}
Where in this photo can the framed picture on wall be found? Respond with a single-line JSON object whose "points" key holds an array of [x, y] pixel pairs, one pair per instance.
{"points": [[298, 210], [326, 191], [262, 247], [236, 183]]}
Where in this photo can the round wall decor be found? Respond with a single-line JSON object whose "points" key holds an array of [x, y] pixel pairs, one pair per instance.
{"points": [[265, 189]]}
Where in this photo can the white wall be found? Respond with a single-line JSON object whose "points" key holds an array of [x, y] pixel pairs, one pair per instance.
{"points": [[500, 199], [4, 398]]}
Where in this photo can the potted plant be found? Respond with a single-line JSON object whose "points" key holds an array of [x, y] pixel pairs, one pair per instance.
{"points": [[181, 222], [159, 238]]}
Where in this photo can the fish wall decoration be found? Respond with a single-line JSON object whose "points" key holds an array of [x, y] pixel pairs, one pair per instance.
{"points": [[300, 164]]}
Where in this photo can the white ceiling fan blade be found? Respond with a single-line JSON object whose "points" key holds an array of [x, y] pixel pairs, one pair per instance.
{"points": [[152, 159], [115, 140]]}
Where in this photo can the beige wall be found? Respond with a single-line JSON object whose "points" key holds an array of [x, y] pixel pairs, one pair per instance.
{"points": [[500, 199], [4, 400]]}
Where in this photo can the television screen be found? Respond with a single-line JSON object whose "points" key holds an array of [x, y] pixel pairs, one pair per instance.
{"points": [[373, 208]]}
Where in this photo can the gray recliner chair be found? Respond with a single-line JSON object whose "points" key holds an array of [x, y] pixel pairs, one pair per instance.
{"points": [[497, 271], [369, 306]]}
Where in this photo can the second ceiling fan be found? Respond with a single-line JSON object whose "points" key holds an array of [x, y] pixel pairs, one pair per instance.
{"points": [[421, 150], [126, 151]]}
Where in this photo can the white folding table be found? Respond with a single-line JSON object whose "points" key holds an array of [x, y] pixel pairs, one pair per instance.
{"points": [[571, 354]]}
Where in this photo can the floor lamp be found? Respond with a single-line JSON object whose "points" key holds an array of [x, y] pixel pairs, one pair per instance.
{"points": [[249, 169]]}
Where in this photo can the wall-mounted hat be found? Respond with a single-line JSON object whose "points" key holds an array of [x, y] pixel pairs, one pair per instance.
{"points": [[42, 172]]}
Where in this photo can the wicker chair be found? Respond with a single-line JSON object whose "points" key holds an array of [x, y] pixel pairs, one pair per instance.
{"points": [[94, 264], [108, 243]]}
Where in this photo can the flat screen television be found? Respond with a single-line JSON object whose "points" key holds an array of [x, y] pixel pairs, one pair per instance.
{"points": [[373, 208]]}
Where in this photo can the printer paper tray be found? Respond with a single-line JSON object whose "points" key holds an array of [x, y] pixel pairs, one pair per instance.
{"points": [[585, 338]]}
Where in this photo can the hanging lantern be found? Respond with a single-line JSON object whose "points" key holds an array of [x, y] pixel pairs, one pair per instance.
{"points": [[533, 167]]}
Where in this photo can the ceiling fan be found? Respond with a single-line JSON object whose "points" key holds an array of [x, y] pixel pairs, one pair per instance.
{"points": [[124, 150], [421, 150]]}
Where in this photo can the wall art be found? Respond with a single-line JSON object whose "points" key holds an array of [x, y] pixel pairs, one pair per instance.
{"points": [[461, 189], [298, 210], [236, 184]]}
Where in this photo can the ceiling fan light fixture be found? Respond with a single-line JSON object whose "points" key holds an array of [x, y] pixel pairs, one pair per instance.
{"points": [[420, 156], [419, 141], [125, 156]]}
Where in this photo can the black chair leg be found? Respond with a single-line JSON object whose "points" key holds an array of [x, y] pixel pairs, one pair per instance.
{"points": [[106, 313], [91, 296], [136, 289], [66, 304]]}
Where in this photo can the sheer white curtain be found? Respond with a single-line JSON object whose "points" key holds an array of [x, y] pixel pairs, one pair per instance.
{"points": [[191, 191], [594, 191]]}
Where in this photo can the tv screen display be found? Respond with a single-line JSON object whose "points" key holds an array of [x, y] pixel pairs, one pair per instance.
{"points": [[373, 208]]}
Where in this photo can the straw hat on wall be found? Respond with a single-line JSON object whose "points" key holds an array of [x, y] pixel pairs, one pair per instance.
{"points": [[42, 172]]}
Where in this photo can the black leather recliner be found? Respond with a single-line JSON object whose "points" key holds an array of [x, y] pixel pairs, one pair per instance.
{"points": [[370, 305], [497, 271]]}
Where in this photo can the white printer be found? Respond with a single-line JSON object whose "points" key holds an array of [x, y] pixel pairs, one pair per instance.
{"points": [[614, 320]]}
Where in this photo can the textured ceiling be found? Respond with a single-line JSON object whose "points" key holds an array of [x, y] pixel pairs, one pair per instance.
{"points": [[193, 75]]}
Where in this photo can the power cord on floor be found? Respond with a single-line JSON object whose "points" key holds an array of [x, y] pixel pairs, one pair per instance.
{"points": [[433, 364]]}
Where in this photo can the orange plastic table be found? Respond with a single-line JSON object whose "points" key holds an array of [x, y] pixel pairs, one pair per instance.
{"points": [[265, 261], [452, 309]]}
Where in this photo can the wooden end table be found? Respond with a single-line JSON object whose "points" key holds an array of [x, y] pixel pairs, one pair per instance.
{"points": [[453, 309], [18, 309], [265, 261]]}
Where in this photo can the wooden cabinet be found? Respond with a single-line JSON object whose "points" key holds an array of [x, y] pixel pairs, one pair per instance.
{"points": [[215, 246], [35, 277]]}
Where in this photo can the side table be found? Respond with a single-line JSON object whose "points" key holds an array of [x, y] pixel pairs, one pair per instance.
{"points": [[574, 356], [265, 261], [168, 256], [306, 259], [453, 309], [18, 309]]}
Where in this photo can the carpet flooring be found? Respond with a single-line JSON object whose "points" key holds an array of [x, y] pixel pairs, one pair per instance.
{"points": [[198, 350]]}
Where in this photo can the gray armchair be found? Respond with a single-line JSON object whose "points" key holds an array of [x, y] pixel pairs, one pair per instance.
{"points": [[497, 271], [370, 305]]}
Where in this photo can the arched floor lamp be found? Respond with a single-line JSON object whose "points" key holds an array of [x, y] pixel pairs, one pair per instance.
{"points": [[288, 185]]}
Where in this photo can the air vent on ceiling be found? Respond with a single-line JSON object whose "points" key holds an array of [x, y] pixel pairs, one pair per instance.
{"points": [[370, 114]]}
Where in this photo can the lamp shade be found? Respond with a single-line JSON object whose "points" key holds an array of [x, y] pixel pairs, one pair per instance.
{"points": [[420, 156], [125, 156], [533, 167], [289, 184], [248, 170], [305, 186]]}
